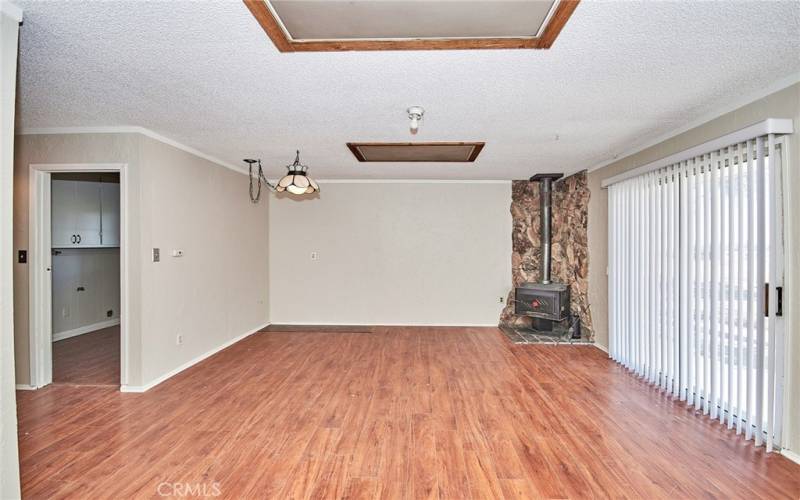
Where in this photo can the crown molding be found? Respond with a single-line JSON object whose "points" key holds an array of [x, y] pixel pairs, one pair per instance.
{"points": [[124, 129], [11, 10], [413, 181], [739, 103]]}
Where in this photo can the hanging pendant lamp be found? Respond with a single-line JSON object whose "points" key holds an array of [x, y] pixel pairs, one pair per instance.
{"points": [[296, 181]]}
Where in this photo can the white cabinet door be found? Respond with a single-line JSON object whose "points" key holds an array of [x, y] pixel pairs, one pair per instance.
{"points": [[109, 202], [62, 220], [87, 213], [84, 214]]}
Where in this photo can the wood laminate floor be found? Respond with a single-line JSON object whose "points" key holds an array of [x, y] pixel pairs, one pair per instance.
{"points": [[398, 413], [88, 359]]}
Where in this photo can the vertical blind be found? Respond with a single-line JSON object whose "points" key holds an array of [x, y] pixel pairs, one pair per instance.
{"points": [[695, 262]]}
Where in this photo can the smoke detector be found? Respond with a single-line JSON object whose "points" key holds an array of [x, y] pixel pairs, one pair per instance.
{"points": [[415, 115]]}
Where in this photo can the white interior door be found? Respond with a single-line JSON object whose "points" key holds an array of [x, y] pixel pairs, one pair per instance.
{"points": [[40, 275]]}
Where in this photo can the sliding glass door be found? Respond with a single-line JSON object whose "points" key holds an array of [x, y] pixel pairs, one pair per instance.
{"points": [[695, 282]]}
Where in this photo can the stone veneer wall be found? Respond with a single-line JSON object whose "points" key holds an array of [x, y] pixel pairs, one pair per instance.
{"points": [[570, 249]]}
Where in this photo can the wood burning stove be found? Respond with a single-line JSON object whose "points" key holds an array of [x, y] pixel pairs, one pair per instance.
{"points": [[546, 302]]}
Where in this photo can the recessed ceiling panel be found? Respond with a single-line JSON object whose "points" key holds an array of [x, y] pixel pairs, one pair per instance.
{"points": [[392, 19], [416, 151], [338, 25]]}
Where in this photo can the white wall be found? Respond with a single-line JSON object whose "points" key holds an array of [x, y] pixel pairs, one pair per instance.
{"points": [[391, 253], [97, 271], [9, 461]]}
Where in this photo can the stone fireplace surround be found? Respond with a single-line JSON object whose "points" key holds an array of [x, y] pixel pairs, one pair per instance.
{"points": [[570, 251]]}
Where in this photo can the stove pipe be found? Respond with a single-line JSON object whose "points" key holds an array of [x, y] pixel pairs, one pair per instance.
{"points": [[546, 206]]}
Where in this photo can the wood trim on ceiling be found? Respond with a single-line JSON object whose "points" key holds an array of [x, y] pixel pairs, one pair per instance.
{"points": [[477, 147], [283, 43]]}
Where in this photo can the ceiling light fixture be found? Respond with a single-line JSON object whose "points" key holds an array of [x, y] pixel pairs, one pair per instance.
{"points": [[415, 115], [296, 181]]}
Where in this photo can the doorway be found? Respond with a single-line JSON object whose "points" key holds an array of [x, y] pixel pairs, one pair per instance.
{"points": [[78, 259], [84, 240]]}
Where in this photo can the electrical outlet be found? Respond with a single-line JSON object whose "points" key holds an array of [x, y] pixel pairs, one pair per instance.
{"points": [[501, 300], [156, 255], [314, 255], [109, 313], [179, 339]]}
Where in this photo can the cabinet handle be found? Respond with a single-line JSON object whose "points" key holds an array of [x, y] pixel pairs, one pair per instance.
{"points": [[79, 238], [73, 239]]}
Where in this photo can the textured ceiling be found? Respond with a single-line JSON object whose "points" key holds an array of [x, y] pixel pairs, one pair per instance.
{"points": [[206, 75]]}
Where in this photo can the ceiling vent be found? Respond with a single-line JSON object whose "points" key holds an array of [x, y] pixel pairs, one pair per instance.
{"points": [[416, 151]]}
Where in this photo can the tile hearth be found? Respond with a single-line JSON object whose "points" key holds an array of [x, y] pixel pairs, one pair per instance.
{"points": [[530, 336]]}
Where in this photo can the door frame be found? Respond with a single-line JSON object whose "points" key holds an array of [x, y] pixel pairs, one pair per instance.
{"points": [[784, 373], [40, 279]]}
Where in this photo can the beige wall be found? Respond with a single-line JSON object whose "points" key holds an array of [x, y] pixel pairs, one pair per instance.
{"points": [[392, 253], [219, 289], [213, 294], [782, 104], [9, 462]]}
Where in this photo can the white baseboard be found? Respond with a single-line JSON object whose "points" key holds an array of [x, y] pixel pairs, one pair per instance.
{"points": [[794, 457], [601, 347], [172, 373], [84, 329], [26, 387]]}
